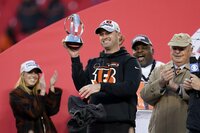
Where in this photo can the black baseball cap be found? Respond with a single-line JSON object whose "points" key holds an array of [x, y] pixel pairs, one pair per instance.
{"points": [[141, 38]]}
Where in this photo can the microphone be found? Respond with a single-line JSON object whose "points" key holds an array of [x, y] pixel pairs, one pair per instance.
{"points": [[194, 66], [194, 69]]}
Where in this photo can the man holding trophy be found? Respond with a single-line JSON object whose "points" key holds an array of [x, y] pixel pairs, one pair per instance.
{"points": [[111, 79]]}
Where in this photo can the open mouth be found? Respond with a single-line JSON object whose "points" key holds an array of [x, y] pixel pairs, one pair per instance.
{"points": [[140, 58]]}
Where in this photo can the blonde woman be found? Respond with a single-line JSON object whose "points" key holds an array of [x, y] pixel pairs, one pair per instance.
{"points": [[30, 104]]}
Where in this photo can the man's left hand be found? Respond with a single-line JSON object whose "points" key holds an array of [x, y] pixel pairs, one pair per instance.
{"points": [[87, 90]]}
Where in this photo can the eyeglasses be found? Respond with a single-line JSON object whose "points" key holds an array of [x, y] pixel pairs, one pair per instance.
{"points": [[178, 48]]}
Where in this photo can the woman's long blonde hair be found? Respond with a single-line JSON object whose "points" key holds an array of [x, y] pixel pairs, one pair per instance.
{"points": [[21, 83]]}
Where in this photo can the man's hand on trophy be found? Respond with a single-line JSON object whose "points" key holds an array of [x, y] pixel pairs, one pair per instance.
{"points": [[72, 52]]}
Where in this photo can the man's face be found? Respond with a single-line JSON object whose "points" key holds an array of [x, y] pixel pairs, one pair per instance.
{"points": [[144, 53], [109, 40], [180, 55]]}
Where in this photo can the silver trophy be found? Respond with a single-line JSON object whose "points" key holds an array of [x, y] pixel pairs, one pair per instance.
{"points": [[73, 39]]}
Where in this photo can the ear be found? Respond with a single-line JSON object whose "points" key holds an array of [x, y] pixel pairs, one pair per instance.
{"points": [[121, 39], [119, 35], [152, 50], [191, 49]]}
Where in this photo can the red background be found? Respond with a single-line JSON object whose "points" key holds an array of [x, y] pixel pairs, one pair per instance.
{"points": [[155, 18]]}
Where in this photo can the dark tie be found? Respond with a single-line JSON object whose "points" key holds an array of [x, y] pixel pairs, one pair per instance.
{"points": [[178, 70]]}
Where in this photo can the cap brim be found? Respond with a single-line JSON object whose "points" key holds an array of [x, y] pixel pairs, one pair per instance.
{"points": [[178, 44], [31, 68], [136, 42], [98, 30]]}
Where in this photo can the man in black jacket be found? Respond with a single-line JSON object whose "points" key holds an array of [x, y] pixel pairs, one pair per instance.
{"points": [[111, 79], [192, 87]]}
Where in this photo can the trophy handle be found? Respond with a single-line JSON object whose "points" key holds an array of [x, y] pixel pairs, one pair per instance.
{"points": [[82, 28], [66, 19], [75, 22]]}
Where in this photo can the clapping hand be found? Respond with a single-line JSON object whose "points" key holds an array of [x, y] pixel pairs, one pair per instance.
{"points": [[53, 80], [42, 84], [166, 75]]}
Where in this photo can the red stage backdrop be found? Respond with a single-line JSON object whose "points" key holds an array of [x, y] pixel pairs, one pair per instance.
{"points": [[157, 19]]}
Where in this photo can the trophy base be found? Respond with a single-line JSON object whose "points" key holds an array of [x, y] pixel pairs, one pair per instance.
{"points": [[73, 45]]}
